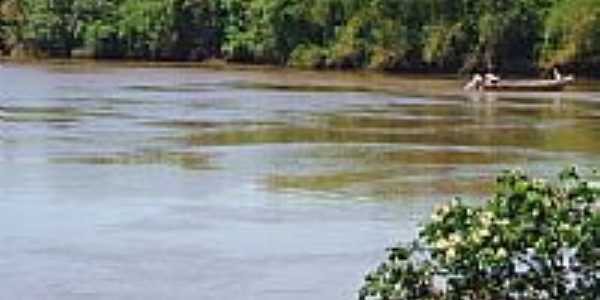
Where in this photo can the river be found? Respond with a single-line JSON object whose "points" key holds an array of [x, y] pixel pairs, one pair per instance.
{"points": [[166, 182]]}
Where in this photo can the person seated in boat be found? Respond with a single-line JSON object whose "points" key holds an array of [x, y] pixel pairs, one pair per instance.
{"points": [[491, 79]]}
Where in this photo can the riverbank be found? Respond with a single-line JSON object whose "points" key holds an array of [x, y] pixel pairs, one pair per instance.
{"points": [[219, 63]]}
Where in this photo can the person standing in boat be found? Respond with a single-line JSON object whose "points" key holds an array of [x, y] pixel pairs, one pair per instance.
{"points": [[475, 84], [557, 75]]}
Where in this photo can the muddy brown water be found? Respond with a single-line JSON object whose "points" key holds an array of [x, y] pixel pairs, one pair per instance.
{"points": [[149, 182]]}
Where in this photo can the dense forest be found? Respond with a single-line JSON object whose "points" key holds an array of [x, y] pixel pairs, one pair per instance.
{"points": [[399, 35]]}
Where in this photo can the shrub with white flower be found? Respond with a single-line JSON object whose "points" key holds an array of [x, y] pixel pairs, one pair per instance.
{"points": [[532, 240]]}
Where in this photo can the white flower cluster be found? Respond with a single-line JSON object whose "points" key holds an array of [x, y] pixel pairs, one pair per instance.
{"points": [[439, 213]]}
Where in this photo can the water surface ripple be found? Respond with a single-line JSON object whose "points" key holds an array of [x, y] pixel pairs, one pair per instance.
{"points": [[191, 183]]}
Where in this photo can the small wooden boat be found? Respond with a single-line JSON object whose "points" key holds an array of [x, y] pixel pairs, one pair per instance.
{"points": [[527, 85], [492, 83]]}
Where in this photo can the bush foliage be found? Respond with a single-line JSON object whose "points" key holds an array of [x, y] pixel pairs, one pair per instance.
{"points": [[532, 240]]}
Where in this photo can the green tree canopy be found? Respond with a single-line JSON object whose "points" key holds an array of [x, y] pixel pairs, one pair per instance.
{"points": [[413, 35]]}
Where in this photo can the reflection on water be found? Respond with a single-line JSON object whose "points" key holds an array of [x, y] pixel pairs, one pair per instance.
{"points": [[39, 114], [159, 183], [384, 185], [185, 160]]}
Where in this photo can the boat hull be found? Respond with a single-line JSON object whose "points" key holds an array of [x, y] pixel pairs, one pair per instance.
{"points": [[527, 86]]}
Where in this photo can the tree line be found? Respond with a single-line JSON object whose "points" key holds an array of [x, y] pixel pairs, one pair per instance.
{"points": [[399, 35]]}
